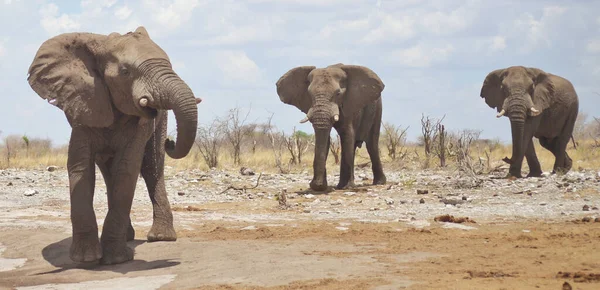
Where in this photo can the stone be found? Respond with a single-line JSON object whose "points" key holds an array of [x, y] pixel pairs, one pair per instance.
{"points": [[30, 192], [422, 191], [389, 200], [349, 193], [309, 196], [586, 207], [180, 193], [246, 171], [336, 202], [422, 201], [51, 168]]}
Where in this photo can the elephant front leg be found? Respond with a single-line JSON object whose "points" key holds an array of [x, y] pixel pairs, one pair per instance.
{"points": [[85, 246], [347, 162], [124, 171], [153, 166]]}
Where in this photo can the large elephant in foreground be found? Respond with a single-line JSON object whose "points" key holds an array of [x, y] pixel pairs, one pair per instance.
{"points": [[538, 104], [115, 90], [346, 97]]}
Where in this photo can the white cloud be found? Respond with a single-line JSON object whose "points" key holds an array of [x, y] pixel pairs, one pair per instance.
{"points": [[53, 23], [421, 56], [593, 46], [2, 49], [391, 27], [172, 13], [237, 66], [123, 12], [8, 1], [532, 32]]}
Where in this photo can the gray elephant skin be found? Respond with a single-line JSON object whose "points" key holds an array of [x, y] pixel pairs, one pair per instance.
{"points": [[347, 98], [538, 104], [115, 91]]}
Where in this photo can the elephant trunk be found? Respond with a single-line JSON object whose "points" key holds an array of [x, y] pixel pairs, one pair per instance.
{"points": [[174, 94], [517, 123], [319, 182]]}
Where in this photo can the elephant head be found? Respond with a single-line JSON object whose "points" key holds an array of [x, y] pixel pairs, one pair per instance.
{"points": [[327, 96], [519, 93], [94, 78]]}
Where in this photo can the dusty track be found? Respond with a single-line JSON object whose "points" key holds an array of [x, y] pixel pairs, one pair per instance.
{"points": [[527, 235]]}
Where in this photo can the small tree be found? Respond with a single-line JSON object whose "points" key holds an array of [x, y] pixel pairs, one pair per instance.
{"points": [[276, 145], [207, 141], [463, 150], [26, 141], [236, 131], [297, 144], [440, 144], [429, 130], [395, 140], [335, 148]]}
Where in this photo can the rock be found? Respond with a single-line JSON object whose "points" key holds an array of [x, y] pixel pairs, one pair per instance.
{"points": [[341, 228], [309, 196], [374, 209], [51, 168], [246, 171], [260, 194], [10, 184], [422, 191], [597, 220], [586, 207], [595, 208], [358, 200], [349, 193], [543, 203], [464, 198], [389, 200], [30, 192], [422, 201], [180, 193], [452, 201], [337, 202]]}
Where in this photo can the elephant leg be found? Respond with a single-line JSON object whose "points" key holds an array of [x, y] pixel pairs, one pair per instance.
{"points": [[373, 149], [153, 166], [104, 166], [125, 169], [563, 162], [347, 162], [535, 170], [85, 246]]}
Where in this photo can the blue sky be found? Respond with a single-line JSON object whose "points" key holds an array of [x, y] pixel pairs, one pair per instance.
{"points": [[431, 55]]}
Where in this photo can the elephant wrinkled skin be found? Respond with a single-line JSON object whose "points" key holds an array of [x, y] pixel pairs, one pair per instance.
{"points": [[345, 97], [538, 104], [115, 91]]}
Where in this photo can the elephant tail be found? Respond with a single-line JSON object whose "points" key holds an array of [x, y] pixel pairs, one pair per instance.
{"points": [[574, 143]]}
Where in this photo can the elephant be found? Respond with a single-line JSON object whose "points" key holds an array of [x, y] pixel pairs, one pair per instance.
{"points": [[538, 104], [347, 98], [115, 91]]}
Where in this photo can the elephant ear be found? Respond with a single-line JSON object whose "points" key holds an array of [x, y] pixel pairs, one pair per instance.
{"points": [[65, 72], [543, 88], [363, 87], [492, 90], [292, 88]]}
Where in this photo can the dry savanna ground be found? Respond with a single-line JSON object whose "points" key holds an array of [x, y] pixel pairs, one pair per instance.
{"points": [[455, 227]]}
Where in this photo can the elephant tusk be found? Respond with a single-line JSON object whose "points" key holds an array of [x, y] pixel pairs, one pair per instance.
{"points": [[198, 101], [304, 120], [336, 118], [144, 102], [534, 111], [501, 113]]}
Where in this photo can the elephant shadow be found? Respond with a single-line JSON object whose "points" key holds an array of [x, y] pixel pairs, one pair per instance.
{"points": [[57, 254], [357, 188]]}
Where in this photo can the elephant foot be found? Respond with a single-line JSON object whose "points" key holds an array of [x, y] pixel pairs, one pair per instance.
{"points": [[512, 176], [130, 233], [379, 180], [162, 233], [318, 186], [85, 248], [535, 173], [116, 253], [347, 185]]}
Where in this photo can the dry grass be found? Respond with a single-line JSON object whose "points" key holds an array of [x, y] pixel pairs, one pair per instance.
{"points": [[586, 156]]}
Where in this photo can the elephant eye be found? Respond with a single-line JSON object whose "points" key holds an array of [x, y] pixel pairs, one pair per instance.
{"points": [[123, 71]]}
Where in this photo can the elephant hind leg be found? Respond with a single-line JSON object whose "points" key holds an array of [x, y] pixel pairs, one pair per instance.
{"points": [[373, 149]]}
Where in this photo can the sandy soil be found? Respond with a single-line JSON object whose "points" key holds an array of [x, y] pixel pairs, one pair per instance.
{"points": [[523, 234]]}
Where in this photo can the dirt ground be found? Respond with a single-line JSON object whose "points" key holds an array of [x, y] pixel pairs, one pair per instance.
{"points": [[526, 234]]}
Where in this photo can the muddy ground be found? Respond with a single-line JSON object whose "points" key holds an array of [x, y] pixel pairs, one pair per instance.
{"points": [[537, 233]]}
